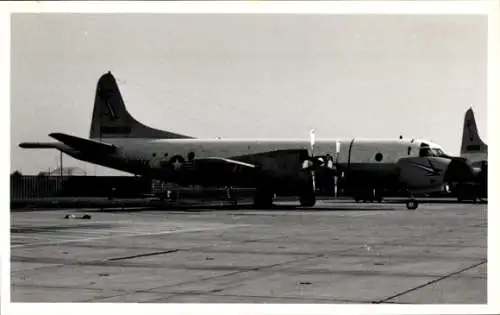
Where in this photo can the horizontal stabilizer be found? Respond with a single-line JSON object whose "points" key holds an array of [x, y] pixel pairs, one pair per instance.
{"points": [[83, 145], [40, 145]]}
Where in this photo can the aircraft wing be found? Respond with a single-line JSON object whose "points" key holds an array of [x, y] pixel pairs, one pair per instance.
{"points": [[220, 170], [221, 162], [255, 170], [83, 145]]}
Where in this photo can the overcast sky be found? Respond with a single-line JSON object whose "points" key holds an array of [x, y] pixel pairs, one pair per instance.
{"points": [[246, 76]]}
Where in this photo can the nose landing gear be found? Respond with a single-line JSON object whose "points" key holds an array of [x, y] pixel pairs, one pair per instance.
{"points": [[412, 204]]}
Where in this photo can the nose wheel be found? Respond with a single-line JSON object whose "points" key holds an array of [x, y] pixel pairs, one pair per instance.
{"points": [[412, 204]]}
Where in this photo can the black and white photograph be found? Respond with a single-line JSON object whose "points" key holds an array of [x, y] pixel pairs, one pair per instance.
{"points": [[253, 157]]}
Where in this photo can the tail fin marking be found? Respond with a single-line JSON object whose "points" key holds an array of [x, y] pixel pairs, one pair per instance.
{"points": [[471, 142], [110, 118]]}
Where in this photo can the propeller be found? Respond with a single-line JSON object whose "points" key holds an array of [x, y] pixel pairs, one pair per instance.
{"points": [[314, 162], [312, 140]]}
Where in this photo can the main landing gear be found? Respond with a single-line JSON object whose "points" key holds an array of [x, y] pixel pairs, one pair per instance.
{"points": [[307, 199], [368, 194], [412, 204], [263, 198]]}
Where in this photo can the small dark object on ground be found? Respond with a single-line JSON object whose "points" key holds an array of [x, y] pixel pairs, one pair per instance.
{"points": [[83, 217]]}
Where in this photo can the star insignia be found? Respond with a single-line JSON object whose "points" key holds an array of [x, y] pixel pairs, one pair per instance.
{"points": [[177, 164]]}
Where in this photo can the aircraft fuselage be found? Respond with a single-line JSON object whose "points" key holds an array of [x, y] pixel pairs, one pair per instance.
{"points": [[364, 162]]}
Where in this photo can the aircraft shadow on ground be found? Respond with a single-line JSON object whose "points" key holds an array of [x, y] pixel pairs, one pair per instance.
{"points": [[390, 205], [209, 208], [220, 205]]}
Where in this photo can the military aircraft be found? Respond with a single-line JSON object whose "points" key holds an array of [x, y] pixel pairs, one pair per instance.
{"points": [[471, 180], [271, 166]]}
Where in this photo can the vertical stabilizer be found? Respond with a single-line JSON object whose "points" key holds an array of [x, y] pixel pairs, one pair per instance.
{"points": [[471, 142], [110, 118]]}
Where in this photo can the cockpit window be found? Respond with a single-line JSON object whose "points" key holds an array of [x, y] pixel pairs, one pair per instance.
{"points": [[426, 150], [440, 153]]}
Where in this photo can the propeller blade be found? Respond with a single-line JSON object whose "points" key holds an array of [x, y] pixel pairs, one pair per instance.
{"points": [[330, 164], [312, 136], [307, 164], [312, 139], [313, 180]]}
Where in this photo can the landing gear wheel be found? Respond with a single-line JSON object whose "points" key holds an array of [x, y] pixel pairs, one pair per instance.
{"points": [[307, 199], [357, 197], [412, 204], [263, 199], [379, 195]]}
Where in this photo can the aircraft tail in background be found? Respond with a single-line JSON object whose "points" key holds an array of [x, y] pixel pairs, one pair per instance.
{"points": [[471, 142], [110, 118]]}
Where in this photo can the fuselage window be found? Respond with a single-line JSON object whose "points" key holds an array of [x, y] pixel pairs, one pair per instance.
{"points": [[409, 150], [378, 157]]}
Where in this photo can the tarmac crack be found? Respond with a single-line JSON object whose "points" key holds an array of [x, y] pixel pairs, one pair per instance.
{"points": [[237, 281], [260, 268], [144, 255], [291, 298], [319, 256], [430, 282], [169, 231]]}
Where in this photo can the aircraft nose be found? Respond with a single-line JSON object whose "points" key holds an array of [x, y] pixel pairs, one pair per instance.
{"points": [[459, 170]]}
